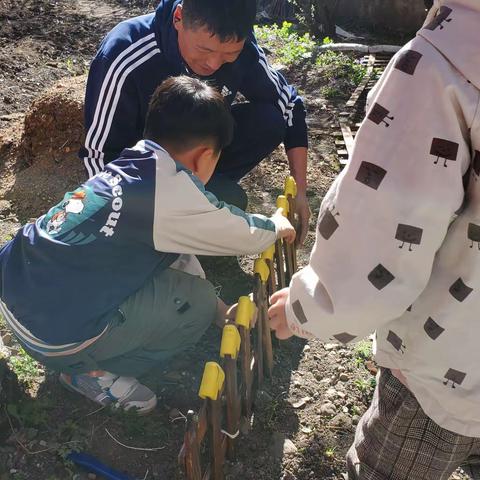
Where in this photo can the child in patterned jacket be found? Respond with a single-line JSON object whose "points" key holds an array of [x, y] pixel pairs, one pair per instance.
{"points": [[106, 285], [398, 252]]}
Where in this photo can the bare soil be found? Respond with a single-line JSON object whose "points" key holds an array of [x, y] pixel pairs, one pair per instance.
{"points": [[305, 417]]}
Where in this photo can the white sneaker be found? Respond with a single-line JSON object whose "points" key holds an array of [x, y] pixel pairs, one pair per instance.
{"points": [[110, 389]]}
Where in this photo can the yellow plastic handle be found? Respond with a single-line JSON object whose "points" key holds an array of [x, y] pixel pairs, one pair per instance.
{"points": [[290, 187], [269, 253], [212, 381], [261, 267], [245, 312], [282, 202], [230, 341]]}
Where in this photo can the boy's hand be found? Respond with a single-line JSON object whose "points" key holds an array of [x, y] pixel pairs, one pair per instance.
{"points": [[285, 229], [278, 318]]}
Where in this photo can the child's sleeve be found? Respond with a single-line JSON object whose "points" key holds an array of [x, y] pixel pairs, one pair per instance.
{"points": [[189, 219], [385, 217]]}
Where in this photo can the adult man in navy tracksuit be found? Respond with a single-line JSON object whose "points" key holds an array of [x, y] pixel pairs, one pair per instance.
{"points": [[211, 39]]}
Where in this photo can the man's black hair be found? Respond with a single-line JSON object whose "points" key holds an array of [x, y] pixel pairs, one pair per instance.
{"points": [[228, 19], [428, 4], [185, 112]]}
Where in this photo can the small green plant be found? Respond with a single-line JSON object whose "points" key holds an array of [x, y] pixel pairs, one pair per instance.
{"points": [[31, 413], [270, 414], [288, 46], [75, 68], [337, 65], [25, 367], [362, 384], [366, 387], [362, 352], [327, 41], [355, 410], [330, 92], [330, 452]]}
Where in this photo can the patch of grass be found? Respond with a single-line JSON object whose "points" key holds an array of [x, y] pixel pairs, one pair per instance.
{"points": [[330, 92], [25, 367], [287, 45], [362, 352], [31, 413]]}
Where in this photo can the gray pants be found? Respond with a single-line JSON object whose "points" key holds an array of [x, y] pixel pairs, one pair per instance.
{"points": [[167, 315], [396, 440]]}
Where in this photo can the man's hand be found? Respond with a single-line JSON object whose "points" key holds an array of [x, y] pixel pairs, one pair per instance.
{"points": [[285, 229], [229, 312], [278, 318], [304, 213], [297, 160]]}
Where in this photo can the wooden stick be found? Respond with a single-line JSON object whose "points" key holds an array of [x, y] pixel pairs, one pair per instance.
{"points": [[272, 286], [215, 416], [190, 450], [243, 321], [230, 346], [266, 334], [280, 263], [233, 414], [247, 372], [291, 218], [287, 249], [258, 299]]}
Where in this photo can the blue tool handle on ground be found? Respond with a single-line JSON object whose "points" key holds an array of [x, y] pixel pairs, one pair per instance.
{"points": [[95, 466]]}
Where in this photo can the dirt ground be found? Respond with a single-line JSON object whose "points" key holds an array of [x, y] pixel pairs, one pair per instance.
{"points": [[304, 419]]}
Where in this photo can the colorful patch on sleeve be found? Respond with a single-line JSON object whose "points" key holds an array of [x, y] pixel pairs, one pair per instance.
{"points": [[75, 208]]}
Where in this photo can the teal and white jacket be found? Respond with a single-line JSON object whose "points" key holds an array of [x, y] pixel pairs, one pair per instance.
{"points": [[62, 277]]}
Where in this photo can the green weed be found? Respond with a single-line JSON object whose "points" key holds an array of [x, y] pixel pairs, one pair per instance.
{"points": [[31, 413], [366, 387], [362, 352], [25, 367], [288, 46], [354, 410], [330, 92], [337, 65], [330, 452]]}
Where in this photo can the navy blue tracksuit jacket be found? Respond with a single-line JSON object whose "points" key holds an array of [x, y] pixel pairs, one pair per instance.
{"points": [[137, 55]]}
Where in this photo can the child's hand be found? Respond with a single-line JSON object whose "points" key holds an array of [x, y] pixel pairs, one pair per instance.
{"points": [[285, 229], [276, 313]]}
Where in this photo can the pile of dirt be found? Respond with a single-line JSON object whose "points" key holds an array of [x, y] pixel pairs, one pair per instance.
{"points": [[44, 148]]}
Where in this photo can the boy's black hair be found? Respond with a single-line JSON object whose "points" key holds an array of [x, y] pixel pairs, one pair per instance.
{"points": [[184, 112], [228, 19], [428, 4]]}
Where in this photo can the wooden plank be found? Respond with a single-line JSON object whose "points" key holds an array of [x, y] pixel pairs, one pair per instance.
{"points": [[348, 138]]}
